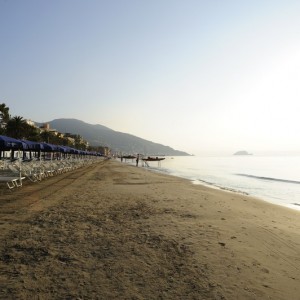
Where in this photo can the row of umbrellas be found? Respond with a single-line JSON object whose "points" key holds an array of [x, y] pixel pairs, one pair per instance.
{"points": [[8, 143]]}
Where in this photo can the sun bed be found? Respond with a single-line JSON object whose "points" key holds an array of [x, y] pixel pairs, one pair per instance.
{"points": [[12, 181]]}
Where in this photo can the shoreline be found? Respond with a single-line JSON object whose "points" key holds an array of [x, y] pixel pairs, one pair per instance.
{"points": [[115, 231], [267, 199], [292, 206]]}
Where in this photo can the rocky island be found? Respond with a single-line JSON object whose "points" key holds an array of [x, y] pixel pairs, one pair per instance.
{"points": [[242, 153]]}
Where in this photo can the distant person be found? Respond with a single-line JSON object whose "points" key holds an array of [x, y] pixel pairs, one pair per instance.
{"points": [[137, 160]]}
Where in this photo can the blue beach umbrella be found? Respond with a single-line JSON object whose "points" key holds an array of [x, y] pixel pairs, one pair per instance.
{"points": [[8, 143], [33, 145], [49, 147], [62, 149]]}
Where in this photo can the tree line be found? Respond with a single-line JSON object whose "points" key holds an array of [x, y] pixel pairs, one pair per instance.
{"points": [[17, 127]]}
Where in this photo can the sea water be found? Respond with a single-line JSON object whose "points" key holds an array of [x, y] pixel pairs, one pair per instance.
{"points": [[275, 179]]}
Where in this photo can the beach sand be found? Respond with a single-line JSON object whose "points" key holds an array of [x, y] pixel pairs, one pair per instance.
{"points": [[116, 231]]}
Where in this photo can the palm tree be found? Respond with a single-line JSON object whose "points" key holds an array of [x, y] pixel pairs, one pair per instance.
{"points": [[16, 127], [4, 117], [31, 133]]}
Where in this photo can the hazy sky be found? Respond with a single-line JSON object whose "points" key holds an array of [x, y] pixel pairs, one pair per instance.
{"points": [[197, 75]]}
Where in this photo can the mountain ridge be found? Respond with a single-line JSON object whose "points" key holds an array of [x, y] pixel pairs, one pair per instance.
{"points": [[99, 135]]}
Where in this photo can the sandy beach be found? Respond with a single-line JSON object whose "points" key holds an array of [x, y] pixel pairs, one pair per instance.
{"points": [[115, 231]]}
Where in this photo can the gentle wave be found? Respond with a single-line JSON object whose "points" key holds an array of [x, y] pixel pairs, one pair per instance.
{"points": [[269, 178], [220, 187]]}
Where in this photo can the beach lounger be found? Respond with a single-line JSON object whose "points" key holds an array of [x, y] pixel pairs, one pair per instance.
{"points": [[12, 182]]}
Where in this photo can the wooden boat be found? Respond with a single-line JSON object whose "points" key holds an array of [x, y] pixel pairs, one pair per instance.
{"points": [[153, 158]]}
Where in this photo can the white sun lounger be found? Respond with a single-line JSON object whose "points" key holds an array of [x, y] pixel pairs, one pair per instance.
{"points": [[11, 181]]}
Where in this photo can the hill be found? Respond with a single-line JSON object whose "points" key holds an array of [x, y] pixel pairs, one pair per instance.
{"points": [[98, 135]]}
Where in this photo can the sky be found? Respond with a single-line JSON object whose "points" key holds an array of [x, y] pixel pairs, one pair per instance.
{"points": [[196, 75]]}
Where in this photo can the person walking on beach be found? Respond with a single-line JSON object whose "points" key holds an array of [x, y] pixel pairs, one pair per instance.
{"points": [[137, 160]]}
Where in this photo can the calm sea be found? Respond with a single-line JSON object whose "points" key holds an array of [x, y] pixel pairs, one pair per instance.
{"points": [[275, 179]]}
